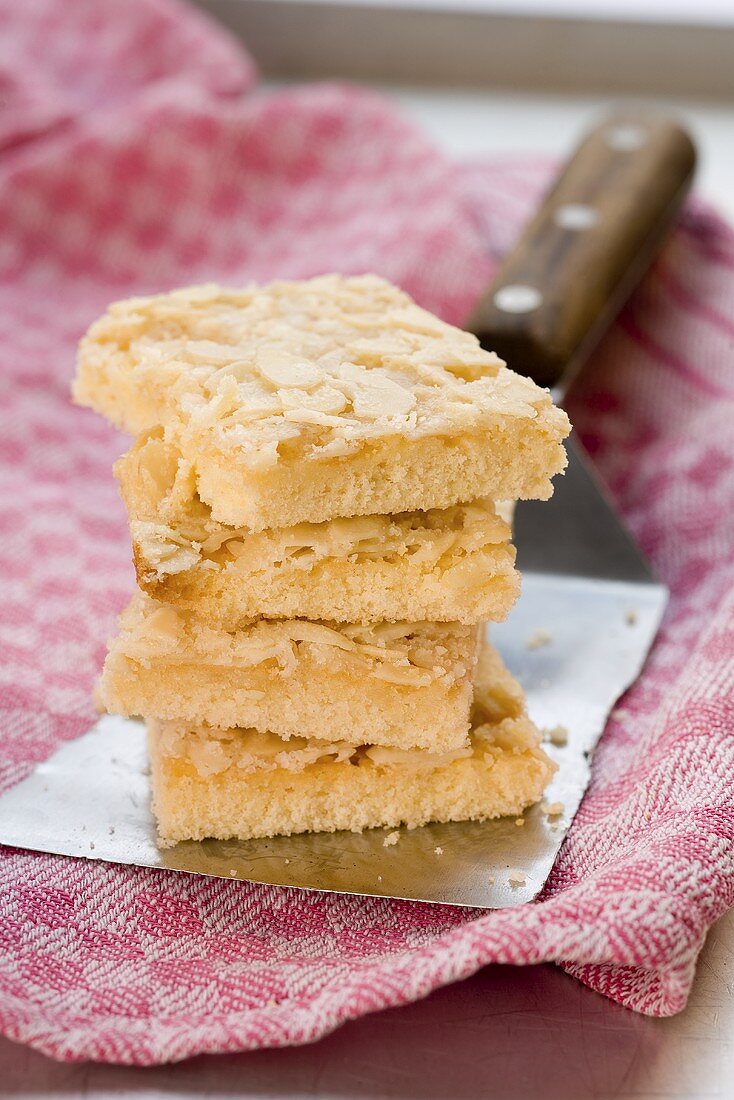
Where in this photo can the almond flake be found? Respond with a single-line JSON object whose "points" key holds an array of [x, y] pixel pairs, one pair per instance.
{"points": [[283, 368], [375, 395]]}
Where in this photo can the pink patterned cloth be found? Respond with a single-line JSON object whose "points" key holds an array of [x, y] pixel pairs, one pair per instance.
{"points": [[134, 156]]}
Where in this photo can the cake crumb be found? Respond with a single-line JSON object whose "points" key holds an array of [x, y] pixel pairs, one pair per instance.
{"points": [[91, 844], [519, 821], [391, 838], [232, 872], [111, 830], [438, 851], [538, 638], [490, 880], [552, 809], [557, 736], [286, 861], [379, 878], [516, 877], [631, 617]]}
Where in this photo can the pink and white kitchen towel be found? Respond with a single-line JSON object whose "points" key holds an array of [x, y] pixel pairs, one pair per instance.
{"points": [[136, 154]]}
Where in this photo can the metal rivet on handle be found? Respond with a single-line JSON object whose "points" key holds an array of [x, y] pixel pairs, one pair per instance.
{"points": [[576, 215], [517, 298], [625, 138]]}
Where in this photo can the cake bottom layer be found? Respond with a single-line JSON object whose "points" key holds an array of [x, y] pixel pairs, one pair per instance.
{"points": [[244, 784]]}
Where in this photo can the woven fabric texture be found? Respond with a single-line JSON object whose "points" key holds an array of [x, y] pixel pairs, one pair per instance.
{"points": [[135, 155]]}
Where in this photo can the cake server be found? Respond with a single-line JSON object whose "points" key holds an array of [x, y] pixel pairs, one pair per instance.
{"points": [[578, 637]]}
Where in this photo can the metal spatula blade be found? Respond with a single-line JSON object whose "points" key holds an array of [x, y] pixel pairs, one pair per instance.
{"points": [[577, 639], [589, 610]]}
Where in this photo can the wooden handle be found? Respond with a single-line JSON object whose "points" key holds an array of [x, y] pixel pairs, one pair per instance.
{"points": [[590, 242]]}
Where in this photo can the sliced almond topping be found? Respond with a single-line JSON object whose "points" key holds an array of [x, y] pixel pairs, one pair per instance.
{"points": [[412, 759], [406, 674], [324, 399], [207, 351], [374, 395], [318, 634], [313, 416], [283, 368]]}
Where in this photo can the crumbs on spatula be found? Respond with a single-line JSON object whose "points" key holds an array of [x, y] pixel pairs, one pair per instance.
{"points": [[552, 809], [557, 736]]}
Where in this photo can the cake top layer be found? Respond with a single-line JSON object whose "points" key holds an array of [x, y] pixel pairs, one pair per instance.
{"points": [[412, 654], [315, 368], [173, 529]]}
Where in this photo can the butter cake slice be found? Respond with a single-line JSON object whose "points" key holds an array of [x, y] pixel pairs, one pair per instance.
{"points": [[302, 401], [407, 685], [242, 783], [451, 564]]}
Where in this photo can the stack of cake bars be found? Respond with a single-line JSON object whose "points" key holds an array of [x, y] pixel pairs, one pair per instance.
{"points": [[310, 496]]}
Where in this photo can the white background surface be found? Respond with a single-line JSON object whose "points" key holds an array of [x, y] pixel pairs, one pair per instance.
{"points": [[465, 123], [717, 12]]}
